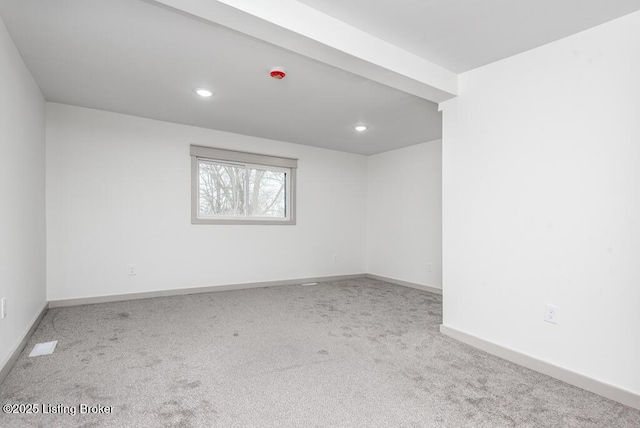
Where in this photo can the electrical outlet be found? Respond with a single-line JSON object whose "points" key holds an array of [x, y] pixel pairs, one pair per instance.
{"points": [[335, 258], [551, 313], [3, 308], [429, 267], [132, 270]]}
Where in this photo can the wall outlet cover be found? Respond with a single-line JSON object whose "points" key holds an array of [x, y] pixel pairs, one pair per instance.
{"points": [[551, 313], [132, 270]]}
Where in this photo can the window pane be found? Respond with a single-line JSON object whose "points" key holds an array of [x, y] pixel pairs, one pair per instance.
{"points": [[266, 195], [221, 189]]}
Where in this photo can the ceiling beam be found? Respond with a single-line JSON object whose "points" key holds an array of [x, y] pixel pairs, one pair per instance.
{"points": [[306, 31]]}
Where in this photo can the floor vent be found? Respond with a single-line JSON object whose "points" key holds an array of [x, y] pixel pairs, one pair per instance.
{"points": [[45, 348]]}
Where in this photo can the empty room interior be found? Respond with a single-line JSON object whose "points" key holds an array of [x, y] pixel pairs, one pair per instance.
{"points": [[299, 213]]}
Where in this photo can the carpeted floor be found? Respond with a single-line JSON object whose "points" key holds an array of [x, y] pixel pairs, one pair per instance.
{"points": [[359, 353]]}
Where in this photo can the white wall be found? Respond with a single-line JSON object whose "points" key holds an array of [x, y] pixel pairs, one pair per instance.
{"points": [[404, 214], [541, 192], [118, 193], [22, 199]]}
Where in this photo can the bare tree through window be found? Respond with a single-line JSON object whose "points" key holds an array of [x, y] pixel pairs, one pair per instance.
{"points": [[266, 193], [229, 190], [232, 187]]}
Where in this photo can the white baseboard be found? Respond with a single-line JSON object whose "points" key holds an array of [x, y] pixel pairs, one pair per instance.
{"points": [[196, 290], [9, 362], [427, 288], [611, 392]]}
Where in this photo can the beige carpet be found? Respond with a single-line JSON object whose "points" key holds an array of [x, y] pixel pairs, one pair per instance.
{"points": [[359, 353]]}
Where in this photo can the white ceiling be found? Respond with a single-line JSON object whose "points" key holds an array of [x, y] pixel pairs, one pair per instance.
{"points": [[464, 34], [137, 58], [140, 58]]}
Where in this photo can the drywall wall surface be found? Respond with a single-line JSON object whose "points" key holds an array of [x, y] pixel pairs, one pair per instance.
{"points": [[404, 214], [119, 193], [22, 196], [541, 203]]}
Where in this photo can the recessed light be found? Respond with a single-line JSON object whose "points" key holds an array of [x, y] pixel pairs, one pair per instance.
{"points": [[203, 92], [360, 128]]}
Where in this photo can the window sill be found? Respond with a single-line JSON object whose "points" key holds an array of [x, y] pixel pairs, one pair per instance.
{"points": [[290, 222]]}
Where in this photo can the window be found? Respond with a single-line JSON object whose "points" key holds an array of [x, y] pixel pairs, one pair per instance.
{"points": [[230, 187]]}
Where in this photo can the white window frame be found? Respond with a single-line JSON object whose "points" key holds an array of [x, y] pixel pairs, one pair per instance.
{"points": [[249, 160]]}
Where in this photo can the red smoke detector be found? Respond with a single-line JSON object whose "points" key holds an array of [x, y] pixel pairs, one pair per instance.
{"points": [[277, 73]]}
